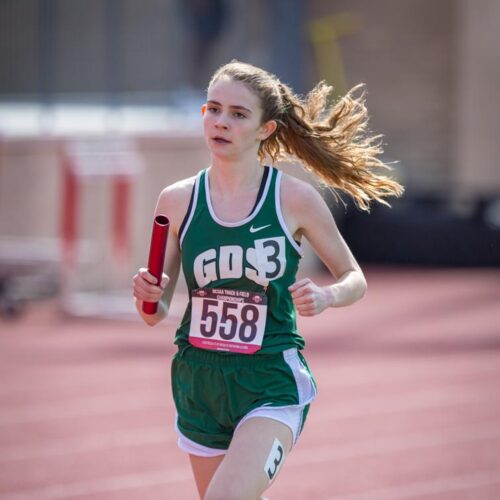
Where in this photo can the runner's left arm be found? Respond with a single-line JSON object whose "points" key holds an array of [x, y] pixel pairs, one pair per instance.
{"points": [[308, 215]]}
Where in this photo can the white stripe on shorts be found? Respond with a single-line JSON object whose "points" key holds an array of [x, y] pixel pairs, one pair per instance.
{"points": [[193, 448], [291, 415], [305, 385]]}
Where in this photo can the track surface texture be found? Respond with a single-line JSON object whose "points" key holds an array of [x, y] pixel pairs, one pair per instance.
{"points": [[408, 404]]}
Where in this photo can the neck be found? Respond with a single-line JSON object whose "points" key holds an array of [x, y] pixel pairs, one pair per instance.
{"points": [[229, 177]]}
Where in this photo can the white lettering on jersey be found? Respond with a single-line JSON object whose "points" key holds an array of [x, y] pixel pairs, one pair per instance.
{"points": [[231, 261], [264, 262], [204, 267]]}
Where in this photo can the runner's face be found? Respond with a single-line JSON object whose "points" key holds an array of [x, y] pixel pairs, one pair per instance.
{"points": [[232, 120]]}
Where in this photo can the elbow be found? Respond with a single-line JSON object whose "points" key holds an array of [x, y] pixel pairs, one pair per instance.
{"points": [[363, 286], [149, 319], [150, 322], [154, 319], [364, 289]]}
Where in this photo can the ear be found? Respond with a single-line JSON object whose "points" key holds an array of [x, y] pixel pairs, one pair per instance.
{"points": [[266, 129], [203, 110]]}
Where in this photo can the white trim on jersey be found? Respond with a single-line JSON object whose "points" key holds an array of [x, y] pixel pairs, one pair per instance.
{"points": [[193, 209], [277, 198], [247, 219]]}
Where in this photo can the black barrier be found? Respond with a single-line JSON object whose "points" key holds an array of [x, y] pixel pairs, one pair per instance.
{"points": [[426, 230]]}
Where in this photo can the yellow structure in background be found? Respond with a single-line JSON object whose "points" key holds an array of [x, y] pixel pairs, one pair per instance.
{"points": [[324, 34]]}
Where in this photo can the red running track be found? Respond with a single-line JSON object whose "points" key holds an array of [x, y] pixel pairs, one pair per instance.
{"points": [[408, 404]]}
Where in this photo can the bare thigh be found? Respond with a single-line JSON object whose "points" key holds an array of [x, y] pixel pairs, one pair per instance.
{"points": [[253, 461], [203, 471]]}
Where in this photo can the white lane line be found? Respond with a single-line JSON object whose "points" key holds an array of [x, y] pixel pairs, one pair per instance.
{"points": [[340, 377], [349, 408], [84, 407], [323, 454], [104, 485], [109, 377], [54, 448], [400, 403], [420, 488], [163, 435], [139, 400], [395, 444], [418, 375]]}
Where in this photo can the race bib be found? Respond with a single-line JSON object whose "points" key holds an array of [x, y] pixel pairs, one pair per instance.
{"points": [[228, 320]]}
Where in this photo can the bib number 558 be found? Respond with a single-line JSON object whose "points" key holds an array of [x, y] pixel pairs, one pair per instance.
{"points": [[215, 319]]}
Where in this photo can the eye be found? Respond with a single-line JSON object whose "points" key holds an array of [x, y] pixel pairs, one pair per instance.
{"points": [[212, 109], [238, 115]]}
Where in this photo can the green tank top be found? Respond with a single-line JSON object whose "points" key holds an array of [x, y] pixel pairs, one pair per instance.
{"points": [[256, 254]]}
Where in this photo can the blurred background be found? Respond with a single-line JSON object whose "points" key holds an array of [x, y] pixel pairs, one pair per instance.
{"points": [[100, 109]]}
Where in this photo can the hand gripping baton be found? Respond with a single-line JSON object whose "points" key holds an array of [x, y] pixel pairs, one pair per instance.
{"points": [[157, 255]]}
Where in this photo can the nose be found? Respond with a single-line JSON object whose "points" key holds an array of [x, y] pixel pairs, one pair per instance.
{"points": [[221, 122]]}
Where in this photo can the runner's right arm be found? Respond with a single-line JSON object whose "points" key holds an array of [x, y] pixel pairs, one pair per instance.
{"points": [[172, 202]]}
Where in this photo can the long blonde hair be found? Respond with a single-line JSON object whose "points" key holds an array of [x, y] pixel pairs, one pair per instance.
{"points": [[330, 140]]}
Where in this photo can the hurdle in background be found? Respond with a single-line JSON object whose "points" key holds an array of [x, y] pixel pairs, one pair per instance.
{"points": [[116, 160]]}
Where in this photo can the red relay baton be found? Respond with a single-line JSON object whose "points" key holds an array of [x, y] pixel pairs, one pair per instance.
{"points": [[157, 255]]}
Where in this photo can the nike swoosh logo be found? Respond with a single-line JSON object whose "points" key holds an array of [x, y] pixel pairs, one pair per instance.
{"points": [[255, 229]]}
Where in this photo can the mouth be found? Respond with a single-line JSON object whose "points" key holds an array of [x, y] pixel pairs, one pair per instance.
{"points": [[220, 140]]}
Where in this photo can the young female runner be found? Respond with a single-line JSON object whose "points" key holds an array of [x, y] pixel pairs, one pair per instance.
{"points": [[241, 387]]}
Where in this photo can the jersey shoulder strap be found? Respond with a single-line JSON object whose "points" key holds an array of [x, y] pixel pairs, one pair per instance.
{"points": [[193, 203]]}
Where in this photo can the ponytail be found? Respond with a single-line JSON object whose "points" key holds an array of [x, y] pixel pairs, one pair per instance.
{"points": [[332, 143]]}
